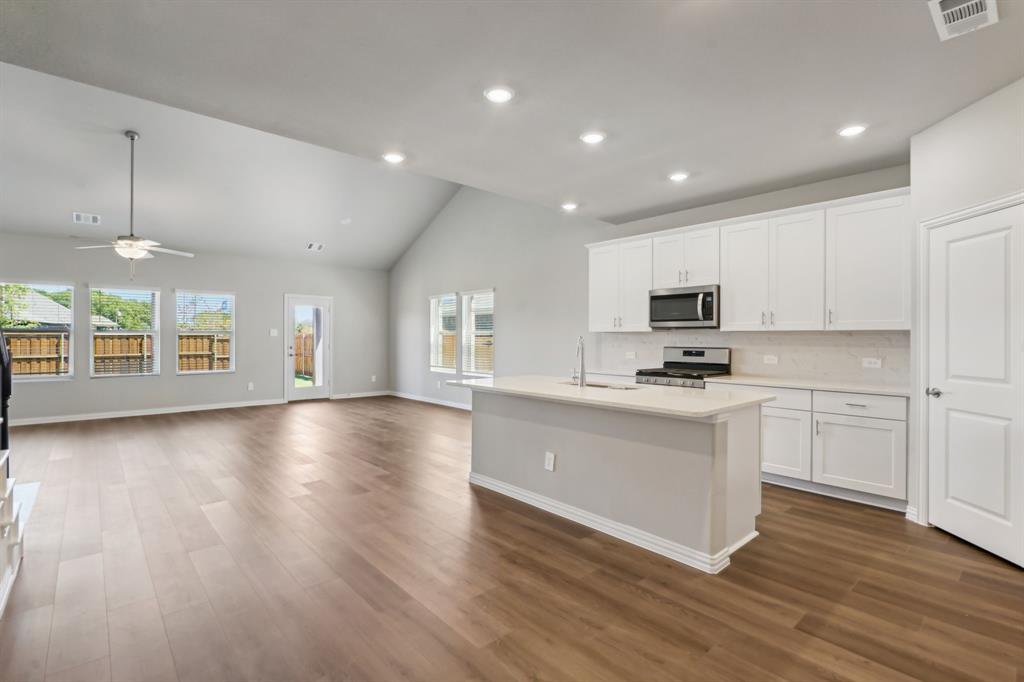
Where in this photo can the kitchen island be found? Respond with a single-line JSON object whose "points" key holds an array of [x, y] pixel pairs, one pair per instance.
{"points": [[673, 470]]}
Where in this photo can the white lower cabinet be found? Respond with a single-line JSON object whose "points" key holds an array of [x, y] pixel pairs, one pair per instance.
{"points": [[860, 453], [786, 442], [855, 441]]}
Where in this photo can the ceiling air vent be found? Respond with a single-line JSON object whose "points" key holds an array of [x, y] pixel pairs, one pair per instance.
{"points": [[956, 17], [315, 247], [85, 218]]}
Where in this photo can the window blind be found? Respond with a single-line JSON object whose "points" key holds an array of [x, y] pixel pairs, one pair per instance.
{"points": [[478, 333], [38, 322], [125, 331], [205, 325], [443, 333]]}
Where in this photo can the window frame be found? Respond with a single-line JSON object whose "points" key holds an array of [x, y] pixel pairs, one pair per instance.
{"points": [[44, 378], [157, 347], [437, 369], [177, 331], [464, 315]]}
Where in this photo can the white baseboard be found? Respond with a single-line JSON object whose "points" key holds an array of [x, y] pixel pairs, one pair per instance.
{"points": [[435, 401], [709, 563], [912, 515], [838, 493], [27, 421], [364, 394]]}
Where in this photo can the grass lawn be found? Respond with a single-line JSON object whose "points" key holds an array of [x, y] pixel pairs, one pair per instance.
{"points": [[302, 381]]}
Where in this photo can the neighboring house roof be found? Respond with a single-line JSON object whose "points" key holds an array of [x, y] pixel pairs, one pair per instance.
{"points": [[44, 311]]}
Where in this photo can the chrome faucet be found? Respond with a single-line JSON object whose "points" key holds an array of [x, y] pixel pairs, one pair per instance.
{"points": [[580, 371]]}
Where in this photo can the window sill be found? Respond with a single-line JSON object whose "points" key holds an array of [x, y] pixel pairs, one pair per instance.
{"points": [[442, 370], [479, 375], [122, 376], [41, 379], [201, 372]]}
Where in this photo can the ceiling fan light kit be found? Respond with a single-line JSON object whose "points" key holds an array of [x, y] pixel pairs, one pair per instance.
{"points": [[129, 246]]}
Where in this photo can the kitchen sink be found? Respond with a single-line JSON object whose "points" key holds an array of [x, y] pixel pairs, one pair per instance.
{"points": [[595, 384]]}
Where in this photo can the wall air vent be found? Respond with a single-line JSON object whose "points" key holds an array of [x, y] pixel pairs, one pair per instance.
{"points": [[315, 247], [956, 17], [85, 218]]}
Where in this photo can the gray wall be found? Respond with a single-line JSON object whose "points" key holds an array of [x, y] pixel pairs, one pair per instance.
{"points": [[535, 259], [360, 326]]}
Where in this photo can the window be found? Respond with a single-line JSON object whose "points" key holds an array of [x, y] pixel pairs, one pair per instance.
{"points": [[478, 333], [125, 331], [443, 336], [206, 331], [37, 320]]}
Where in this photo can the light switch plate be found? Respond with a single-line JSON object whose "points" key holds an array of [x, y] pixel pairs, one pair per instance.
{"points": [[770, 359], [373, 378], [251, 387], [549, 461], [871, 363], [273, 332], [631, 355]]}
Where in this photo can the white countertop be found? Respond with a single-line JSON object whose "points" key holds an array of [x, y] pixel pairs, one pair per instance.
{"points": [[670, 401], [812, 384]]}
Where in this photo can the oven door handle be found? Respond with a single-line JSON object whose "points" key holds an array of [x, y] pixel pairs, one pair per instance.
{"points": [[700, 306]]}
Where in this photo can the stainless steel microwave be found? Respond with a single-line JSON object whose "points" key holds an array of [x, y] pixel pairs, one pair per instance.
{"points": [[684, 307]]}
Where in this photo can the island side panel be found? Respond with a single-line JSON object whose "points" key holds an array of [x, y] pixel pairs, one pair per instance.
{"points": [[648, 472], [737, 476]]}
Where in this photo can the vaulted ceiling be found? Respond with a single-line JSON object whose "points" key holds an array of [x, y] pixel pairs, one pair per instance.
{"points": [[745, 96]]}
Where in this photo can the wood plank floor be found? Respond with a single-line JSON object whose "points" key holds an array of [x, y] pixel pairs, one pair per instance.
{"points": [[341, 541]]}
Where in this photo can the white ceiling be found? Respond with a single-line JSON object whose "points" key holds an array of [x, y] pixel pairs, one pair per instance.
{"points": [[201, 184], [747, 96]]}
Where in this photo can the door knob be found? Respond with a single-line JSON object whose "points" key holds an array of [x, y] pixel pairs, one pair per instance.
{"points": [[933, 392]]}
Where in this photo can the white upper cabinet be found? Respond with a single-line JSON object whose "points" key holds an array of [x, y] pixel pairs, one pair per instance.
{"points": [[796, 267], [620, 284], [686, 259], [744, 294], [868, 264]]}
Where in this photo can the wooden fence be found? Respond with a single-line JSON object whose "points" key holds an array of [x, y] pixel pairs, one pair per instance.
{"points": [[39, 353], [304, 359]]}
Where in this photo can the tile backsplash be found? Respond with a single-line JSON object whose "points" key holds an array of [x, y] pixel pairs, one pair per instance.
{"points": [[801, 355]]}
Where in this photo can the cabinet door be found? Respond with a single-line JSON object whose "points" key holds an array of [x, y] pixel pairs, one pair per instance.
{"points": [[868, 264], [635, 286], [786, 442], [668, 261], [744, 296], [861, 453], [796, 266], [700, 257], [604, 288]]}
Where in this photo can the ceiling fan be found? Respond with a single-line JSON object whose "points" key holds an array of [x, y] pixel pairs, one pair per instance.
{"points": [[129, 246]]}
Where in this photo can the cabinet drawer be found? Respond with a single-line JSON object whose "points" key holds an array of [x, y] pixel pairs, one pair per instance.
{"points": [[861, 405], [787, 398]]}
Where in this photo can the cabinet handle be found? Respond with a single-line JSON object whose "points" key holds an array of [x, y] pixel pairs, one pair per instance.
{"points": [[830, 317], [686, 275], [680, 277], [773, 318], [817, 427], [762, 318], [856, 405]]}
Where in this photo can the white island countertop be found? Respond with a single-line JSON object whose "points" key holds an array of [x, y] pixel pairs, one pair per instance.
{"points": [[669, 401]]}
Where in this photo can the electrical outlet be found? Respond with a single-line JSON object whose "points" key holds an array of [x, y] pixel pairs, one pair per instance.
{"points": [[273, 332], [439, 384], [871, 363], [549, 461], [770, 359], [373, 378], [631, 355], [251, 387]]}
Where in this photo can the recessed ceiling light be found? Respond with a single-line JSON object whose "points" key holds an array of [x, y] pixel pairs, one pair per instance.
{"points": [[570, 206], [394, 157], [852, 131], [678, 176], [499, 94], [593, 137]]}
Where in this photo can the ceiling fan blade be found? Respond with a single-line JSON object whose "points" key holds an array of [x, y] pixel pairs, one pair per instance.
{"points": [[99, 246], [148, 242], [144, 256], [171, 252]]}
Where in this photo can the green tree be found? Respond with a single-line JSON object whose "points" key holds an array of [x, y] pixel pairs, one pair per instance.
{"points": [[12, 305], [125, 312], [63, 297]]}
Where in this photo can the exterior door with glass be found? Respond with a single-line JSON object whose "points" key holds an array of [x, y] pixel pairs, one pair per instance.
{"points": [[307, 332]]}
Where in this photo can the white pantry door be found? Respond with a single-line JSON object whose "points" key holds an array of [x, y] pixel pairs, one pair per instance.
{"points": [[976, 472], [307, 347]]}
